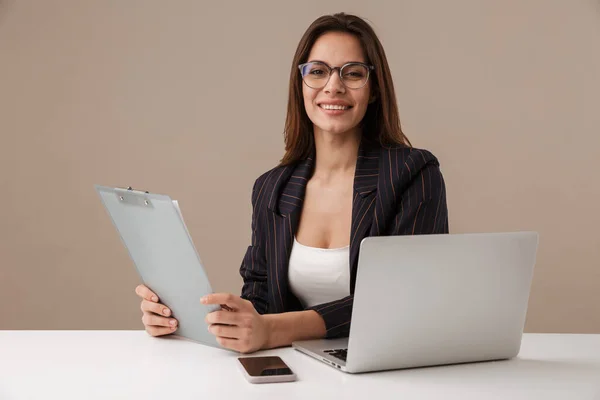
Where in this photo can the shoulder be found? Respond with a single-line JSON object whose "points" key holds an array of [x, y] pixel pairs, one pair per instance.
{"points": [[410, 166], [411, 158], [265, 183]]}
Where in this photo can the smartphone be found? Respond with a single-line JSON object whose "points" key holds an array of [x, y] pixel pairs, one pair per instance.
{"points": [[266, 369]]}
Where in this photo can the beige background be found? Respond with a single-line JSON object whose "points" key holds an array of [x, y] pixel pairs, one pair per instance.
{"points": [[172, 97]]}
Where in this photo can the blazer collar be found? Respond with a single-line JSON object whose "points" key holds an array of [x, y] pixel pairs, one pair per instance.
{"points": [[290, 186]]}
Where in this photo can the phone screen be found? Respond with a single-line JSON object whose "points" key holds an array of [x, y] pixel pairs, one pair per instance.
{"points": [[264, 366]]}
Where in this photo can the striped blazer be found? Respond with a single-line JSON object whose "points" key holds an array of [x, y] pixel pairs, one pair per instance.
{"points": [[397, 191]]}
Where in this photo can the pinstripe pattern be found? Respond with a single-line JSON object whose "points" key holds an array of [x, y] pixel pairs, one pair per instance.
{"points": [[397, 191]]}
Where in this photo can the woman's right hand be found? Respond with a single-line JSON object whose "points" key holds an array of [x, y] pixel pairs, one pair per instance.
{"points": [[155, 315]]}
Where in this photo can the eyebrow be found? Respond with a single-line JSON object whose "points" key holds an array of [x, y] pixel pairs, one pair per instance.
{"points": [[347, 62]]}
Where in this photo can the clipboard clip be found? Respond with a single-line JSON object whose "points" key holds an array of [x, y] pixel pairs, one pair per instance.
{"points": [[135, 199], [130, 188]]}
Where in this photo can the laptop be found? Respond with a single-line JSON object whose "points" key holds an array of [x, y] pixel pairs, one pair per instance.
{"points": [[434, 300]]}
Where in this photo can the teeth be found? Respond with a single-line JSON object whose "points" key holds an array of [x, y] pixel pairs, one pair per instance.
{"points": [[333, 107]]}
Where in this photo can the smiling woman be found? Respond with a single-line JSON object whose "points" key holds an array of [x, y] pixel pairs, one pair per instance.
{"points": [[348, 172], [348, 45], [344, 96]]}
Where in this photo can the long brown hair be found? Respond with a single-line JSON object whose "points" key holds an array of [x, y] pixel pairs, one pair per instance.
{"points": [[381, 123]]}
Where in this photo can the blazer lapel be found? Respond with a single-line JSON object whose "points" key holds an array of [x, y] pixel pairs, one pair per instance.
{"points": [[363, 205], [285, 205]]}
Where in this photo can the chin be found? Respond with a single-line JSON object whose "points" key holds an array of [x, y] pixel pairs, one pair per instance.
{"points": [[335, 129]]}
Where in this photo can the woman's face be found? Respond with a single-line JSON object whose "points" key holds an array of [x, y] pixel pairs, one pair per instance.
{"points": [[336, 49]]}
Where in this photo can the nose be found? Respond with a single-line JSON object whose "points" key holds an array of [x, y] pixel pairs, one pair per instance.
{"points": [[334, 84]]}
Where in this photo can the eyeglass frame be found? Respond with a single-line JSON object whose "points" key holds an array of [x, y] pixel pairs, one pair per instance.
{"points": [[331, 69]]}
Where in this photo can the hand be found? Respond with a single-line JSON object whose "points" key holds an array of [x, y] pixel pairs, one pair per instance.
{"points": [[241, 329], [154, 314]]}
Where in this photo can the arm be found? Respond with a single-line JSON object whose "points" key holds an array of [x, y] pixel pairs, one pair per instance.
{"points": [[254, 265], [288, 327], [243, 329], [421, 210]]}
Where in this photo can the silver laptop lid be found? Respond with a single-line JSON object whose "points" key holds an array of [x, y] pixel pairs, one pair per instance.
{"points": [[439, 299]]}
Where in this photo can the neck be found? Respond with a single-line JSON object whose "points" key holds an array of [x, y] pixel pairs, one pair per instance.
{"points": [[335, 154]]}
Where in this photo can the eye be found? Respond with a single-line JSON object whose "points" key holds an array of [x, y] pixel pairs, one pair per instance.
{"points": [[315, 70], [355, 74]]}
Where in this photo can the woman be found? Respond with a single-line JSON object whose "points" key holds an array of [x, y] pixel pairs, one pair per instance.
{"points": [[348, 172]]}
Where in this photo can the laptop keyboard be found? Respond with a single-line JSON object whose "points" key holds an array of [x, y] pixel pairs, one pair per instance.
{"points": [[338, 353]]}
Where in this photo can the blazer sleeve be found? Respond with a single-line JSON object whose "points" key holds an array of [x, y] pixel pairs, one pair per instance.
{"points": [[254, 265], [421, 209]]}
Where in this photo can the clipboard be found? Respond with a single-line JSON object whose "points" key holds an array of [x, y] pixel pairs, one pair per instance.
{"points": [[152, 229]]}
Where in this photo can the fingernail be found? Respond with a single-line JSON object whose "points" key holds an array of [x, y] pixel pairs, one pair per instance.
{"points": [[172, 322], [203, 300], [154, 298], [166, 311]]}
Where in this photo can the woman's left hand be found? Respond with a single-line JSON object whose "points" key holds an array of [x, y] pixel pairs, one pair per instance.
{"points": [[242, 329]]}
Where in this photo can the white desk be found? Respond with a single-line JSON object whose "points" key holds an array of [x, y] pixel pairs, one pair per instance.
{"points": [[134, 365]]}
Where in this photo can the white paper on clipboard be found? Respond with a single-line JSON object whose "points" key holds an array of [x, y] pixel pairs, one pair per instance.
{"points": [[176, 204]]}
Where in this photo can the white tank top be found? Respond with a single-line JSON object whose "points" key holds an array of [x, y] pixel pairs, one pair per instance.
{"points": [[318, 275]]}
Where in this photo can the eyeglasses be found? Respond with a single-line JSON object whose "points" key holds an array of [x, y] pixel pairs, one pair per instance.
{"points": [[316, 74]]}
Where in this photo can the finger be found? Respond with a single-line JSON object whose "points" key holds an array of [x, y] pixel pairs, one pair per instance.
{"points": [[226, 308], [155, 308], [239, 345], [145, 293], [226, 331], [160, 330], [233, 344], [222, 317], [227, 299], [150, 319]]}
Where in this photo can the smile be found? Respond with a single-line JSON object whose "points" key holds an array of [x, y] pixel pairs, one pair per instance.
{"points": [[334, 107]]}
